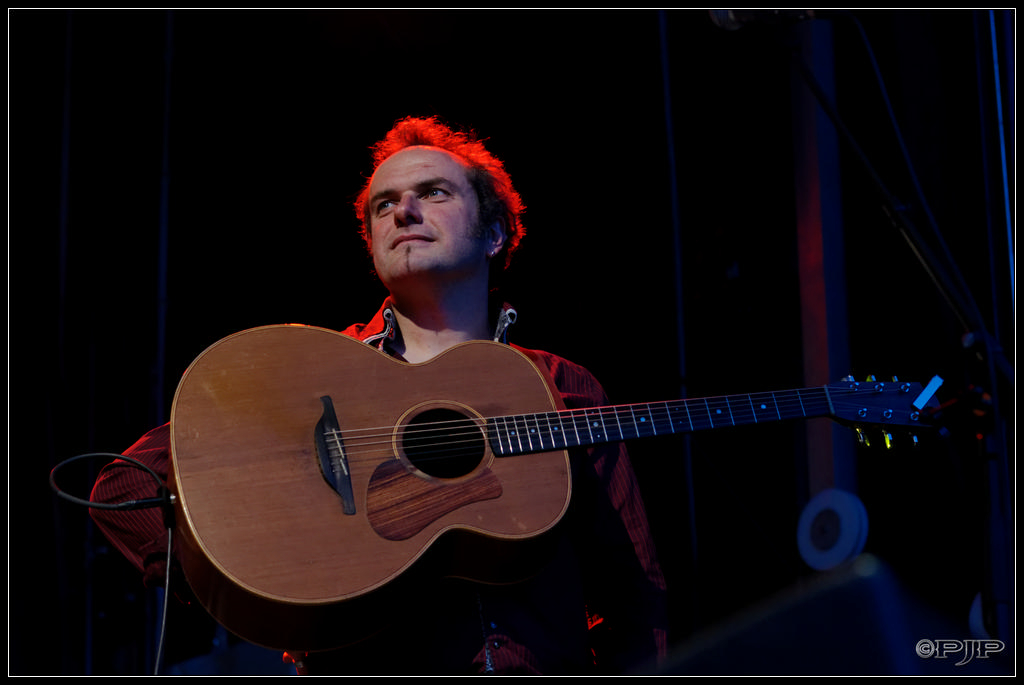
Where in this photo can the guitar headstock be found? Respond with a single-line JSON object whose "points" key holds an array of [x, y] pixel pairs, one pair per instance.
{"points": [[883, 404]]}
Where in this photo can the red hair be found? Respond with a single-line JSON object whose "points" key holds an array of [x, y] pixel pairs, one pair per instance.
{"points": [[496, 197]]}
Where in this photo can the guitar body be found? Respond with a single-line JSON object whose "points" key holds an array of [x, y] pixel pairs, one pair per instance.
{"points": [[274, 550]]}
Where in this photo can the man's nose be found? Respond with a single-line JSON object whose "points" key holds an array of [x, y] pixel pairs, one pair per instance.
{"points": [[408, 210]]}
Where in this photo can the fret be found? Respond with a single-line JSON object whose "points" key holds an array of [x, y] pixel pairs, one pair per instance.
{"points": [[635, 422], [536, 435], [644, 425], [494, 436], [784, 408], [749, 409], [575, 429], [699, 414], [718, 411], [676, 417], [594, 433], [814, 402], [741, 410], [507, 434], [639, 421], [523, 433], [515, 437], [643, 422], [596, 427], [618, 424], [654, 422], [802, 409], [533, 432], [679, 418], [544, 430], [502, 435], [689, 419], [662, 418], [515, 446], [658, 423], [558, 431], [764, 407]]}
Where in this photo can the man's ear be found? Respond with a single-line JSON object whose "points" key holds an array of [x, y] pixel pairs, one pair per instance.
{"points": [[497, 236]]}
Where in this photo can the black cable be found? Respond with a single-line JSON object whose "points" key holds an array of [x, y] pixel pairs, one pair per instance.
{"points": [[163, 613], [164, 500]]}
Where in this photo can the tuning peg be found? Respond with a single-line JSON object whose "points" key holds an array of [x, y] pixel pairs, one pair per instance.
{"points": [[862, 437], [887, 437], [871, 378]]}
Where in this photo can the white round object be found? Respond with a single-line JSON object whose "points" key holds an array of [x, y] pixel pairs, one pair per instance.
{"points": [[833, 528]]}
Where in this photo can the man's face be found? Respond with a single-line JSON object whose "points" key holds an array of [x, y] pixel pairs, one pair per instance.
{"points": [[423, 216]]}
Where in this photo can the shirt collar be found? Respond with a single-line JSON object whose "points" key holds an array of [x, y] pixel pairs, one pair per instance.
{"points": [[382, 330]]}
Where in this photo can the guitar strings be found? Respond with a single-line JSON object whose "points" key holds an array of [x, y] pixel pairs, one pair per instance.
{"points": [[608, 414], [468, 433]]}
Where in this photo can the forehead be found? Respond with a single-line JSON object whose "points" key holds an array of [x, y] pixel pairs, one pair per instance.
{"points": [[413, 164]]}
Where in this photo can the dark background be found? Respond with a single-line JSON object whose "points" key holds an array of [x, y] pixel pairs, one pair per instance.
{"points": [[178, 176]]}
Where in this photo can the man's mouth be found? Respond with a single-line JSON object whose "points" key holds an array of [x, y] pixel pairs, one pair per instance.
{"points": [[411, 238]]}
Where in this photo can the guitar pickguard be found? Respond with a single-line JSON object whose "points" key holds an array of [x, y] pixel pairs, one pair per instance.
{"points": [[400, 503]]}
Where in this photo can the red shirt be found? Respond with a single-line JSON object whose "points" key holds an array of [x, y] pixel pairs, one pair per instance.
{"points": [[601, 599]]}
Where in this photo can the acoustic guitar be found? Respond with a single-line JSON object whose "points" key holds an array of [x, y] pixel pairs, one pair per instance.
{"points": [[313, 473]]}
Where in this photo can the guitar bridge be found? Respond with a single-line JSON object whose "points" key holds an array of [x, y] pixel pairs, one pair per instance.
{"points": [[331, 451]]}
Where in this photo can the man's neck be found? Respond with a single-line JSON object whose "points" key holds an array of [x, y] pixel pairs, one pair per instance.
{"points": [[429, 326]]}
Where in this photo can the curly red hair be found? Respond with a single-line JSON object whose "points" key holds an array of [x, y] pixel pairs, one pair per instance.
{"points": [[497, 199]]}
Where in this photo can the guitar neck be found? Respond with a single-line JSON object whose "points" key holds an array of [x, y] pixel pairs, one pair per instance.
{"points": [[528, 433]]}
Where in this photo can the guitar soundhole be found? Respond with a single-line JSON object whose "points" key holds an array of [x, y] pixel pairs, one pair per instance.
{"points": [[443, 443]]}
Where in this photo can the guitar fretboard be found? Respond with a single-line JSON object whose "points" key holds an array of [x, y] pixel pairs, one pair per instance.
{"points": [[527, 433]]}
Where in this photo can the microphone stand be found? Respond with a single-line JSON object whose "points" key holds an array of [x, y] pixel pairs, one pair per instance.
{"points": [[997, 600]]}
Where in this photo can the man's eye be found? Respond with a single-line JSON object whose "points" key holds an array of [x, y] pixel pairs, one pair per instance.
{"points": [[384, 205], [435, 193]]}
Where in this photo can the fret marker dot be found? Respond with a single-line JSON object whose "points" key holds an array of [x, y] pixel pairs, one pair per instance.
{"points": [[764, 406]]}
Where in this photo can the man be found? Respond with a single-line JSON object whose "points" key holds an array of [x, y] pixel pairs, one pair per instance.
{"points": [[441, 218]]}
